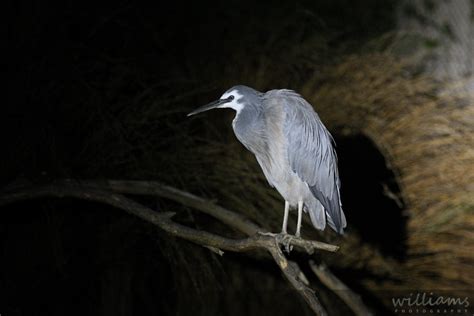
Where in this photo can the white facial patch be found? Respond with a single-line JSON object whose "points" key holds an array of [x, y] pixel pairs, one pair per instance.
{"points": [[234, 103]]}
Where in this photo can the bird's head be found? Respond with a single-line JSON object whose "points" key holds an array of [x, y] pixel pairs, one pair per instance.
{"points": [[235, 98]]}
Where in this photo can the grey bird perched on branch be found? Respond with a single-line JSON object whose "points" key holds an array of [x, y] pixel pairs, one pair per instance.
{"points": [[294, 150]]}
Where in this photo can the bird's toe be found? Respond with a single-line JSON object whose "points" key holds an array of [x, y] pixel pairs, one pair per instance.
{"points": [[268, 234], [285, 240]]}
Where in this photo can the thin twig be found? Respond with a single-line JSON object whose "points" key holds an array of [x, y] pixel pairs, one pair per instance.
{"points": [[340, 289]]}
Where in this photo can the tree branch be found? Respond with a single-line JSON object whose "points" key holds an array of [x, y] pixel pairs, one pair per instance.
{"points": [[340, 289], [227, 217], [240, 223], [154, 188], [290, 270]]}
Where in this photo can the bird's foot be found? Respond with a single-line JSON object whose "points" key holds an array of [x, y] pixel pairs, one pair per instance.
{"points": [[285, 240], [282, 238]]}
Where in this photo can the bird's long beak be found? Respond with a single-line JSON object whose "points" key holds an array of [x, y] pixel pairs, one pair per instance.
{"points": [[209, 106]]}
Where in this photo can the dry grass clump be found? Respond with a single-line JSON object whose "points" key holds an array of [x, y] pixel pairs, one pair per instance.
{"points": [[428, 141]]}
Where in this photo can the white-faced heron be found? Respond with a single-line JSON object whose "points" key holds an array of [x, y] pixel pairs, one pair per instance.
{"points": [[294, 150]]}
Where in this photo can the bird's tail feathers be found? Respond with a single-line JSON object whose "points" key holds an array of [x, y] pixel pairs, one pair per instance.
{"points": [[333, 209], [317, 214], [333, 225]]}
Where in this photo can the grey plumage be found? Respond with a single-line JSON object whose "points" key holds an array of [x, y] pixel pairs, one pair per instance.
{"points": [[293, 148]]}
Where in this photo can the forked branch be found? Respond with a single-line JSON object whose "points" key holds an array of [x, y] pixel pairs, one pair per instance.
{"points": [[291, 270]]}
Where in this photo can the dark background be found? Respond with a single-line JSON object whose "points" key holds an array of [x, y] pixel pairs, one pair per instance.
{"points": [[101, 91]]}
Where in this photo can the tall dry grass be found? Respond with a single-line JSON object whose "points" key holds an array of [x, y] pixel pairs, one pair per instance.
{"points": [[428, 141]]}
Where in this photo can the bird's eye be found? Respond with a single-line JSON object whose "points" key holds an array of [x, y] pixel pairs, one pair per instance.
{"points": [[230, 98]]}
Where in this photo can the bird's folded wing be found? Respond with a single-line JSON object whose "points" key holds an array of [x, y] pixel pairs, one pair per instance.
{"points": [[311, 154]]}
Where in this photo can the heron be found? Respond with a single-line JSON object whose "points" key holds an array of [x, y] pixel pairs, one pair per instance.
{"points": [[293, 148]]}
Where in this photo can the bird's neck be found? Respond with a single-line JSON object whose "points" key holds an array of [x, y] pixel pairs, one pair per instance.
{"points": [[246, 122]]}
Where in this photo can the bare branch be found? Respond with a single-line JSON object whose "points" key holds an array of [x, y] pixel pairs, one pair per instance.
{"points": [[99, 191], [153, 188], [340, 289], [310, 245], [227, 217], [290, 269]]}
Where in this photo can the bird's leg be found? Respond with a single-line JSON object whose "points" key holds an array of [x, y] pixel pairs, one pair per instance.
{"points": [[283, 237], [285, 217], [284, 226], [298, 224]]}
